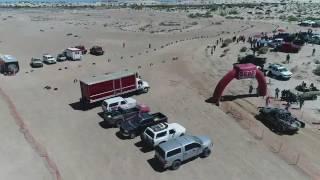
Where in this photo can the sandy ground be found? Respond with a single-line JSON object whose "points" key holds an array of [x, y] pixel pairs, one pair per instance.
{"points": [[77, 142]]}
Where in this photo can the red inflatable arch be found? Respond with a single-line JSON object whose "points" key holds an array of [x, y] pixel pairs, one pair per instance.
{"points": [[241, 71]]}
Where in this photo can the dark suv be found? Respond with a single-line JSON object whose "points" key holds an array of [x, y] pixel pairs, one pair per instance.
{"points": [[96, 50], [82, 48], [138, 124], [116, 117]]}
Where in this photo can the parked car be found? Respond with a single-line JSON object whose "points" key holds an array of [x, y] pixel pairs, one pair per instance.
{"points": [[82, 48], [172, 153], [61, 57], [94, 89], [116, 117], [118, 102], [9, 65], [250, 58], [278, 71], [280, 120], [36, 62], [137, 125], [162, 132], [96, 50], [275, 42], [49, 59]]}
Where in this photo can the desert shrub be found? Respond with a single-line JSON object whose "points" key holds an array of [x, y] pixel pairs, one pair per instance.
{"points": [[282, 17], [194, 23], [294, 69], [317, 71], [233, 11], [222, 13], [292, 18], [312, 18], [243, 49], [234, 17], [263, 50], [226, 42]]}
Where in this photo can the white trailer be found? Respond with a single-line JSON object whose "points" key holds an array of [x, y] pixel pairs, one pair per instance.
{"points": [[73, 54]]}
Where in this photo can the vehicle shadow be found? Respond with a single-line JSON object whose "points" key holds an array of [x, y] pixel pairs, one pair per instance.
{"points": [[143, 147], [231, 97], [79, 106], [120, 136], [105, 125], [272, 128], [154, 163]]}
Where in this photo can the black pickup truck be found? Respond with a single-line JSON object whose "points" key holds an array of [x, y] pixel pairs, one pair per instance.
{"points": [[116, 117], [137, 125]]}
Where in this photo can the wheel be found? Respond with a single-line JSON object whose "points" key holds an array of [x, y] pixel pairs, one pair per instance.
{"points": [[269, 73], [206, 152], [314, 97], [176, 164], [146, 90], [118, 124], [132, 135]]}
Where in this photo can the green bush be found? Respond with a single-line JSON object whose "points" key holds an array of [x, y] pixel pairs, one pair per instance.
{"points": [[222, 13], [292, 18], [263, 50], [233, 11], [317, 71], [226, 42], [243, 49]]}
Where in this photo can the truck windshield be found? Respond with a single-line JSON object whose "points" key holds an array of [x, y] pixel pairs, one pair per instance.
{"points": [[105, 104], [149, 133]]}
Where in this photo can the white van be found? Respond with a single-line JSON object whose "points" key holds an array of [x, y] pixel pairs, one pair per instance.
{"points": [[73, 54], [118, 102]]}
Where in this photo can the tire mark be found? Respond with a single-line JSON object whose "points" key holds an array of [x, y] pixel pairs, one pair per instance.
{"points": [[35, 145]]}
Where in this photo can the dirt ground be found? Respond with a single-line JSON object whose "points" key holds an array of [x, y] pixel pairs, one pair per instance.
{"points": [[59, 141]]}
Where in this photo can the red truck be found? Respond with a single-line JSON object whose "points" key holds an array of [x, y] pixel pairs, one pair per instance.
{"points": [[102, 87]]}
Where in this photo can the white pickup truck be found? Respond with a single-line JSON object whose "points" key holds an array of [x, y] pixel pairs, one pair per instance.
{"points": [[161, 133], [118, 102], [278, 71]]}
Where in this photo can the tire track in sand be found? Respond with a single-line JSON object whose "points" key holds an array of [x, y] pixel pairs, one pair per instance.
{"points": [[35, 145]]}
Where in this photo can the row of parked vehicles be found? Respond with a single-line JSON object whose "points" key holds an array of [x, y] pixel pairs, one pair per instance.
{"points": [[171, 143], [73, 54]]}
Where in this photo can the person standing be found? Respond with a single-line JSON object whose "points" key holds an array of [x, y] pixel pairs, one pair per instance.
{"points": [[214, 47], [313, 51], [250, 89], [287, 106], [288, 59], [301, 102], [267, 101], [277, 90]]}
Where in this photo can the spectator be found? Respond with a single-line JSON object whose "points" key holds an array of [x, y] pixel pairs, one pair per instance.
{"points": [[250, 89], [277, 90], [267, 101], [288, 59], [313, 51], [301, 102]]}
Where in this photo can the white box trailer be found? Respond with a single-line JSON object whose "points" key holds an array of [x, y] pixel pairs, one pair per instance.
{"points": [[73, 54]]}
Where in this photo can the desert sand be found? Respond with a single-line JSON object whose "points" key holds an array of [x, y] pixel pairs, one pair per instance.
{"points": [[74, 144]]}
